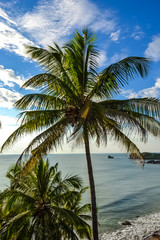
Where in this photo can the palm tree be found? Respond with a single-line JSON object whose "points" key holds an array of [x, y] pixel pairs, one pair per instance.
{"points": [[38, 206], [76, 100]]}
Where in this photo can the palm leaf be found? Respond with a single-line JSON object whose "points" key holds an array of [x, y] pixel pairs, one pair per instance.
{"points": [[47, 140], [114, 77], [118, 136], [52, 60], [53, 85], [145, 106], [39, 101], [33, 121]]}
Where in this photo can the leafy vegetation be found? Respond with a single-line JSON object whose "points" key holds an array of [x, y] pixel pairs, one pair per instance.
{"points": [[75, 99], [41, 205]]}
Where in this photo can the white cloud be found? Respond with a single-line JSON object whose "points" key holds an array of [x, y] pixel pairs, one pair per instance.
{"points": [[9, 124], [61, 17], [147, 92], [103, 59], [8, 77], [5, 16], [8, 121], [115, 35], [10, 37], [118, 56], [138, 33], [12, 40], [8, 98], [153, 49], [104, 21]]}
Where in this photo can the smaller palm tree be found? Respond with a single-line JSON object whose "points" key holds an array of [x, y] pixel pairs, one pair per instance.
{"points": [[43, 206]]}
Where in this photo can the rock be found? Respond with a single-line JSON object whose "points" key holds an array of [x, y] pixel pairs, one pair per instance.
{"points": [[109, 156], [154, 236], [151, 156], [153, 161], [126, 222], [146, 156]]}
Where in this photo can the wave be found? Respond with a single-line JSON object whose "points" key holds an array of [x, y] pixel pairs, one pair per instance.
{"points": [[129, 197]]}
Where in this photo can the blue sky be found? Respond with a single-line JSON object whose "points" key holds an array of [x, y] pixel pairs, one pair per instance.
{"points": [[124, 28]]}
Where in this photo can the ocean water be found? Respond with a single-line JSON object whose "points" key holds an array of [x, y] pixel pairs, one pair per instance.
{"points": [[124, 189]]}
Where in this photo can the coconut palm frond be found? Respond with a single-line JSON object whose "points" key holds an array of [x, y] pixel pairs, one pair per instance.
{"points": [[129, 146], [148, 106], [43, 143], [40, 101], [42, 118], [52, 85], [19, 218], [114, 77], [32, 121], [48, 214], [76, 96]]}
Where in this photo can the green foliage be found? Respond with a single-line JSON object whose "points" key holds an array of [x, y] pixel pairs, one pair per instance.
{"points": [[75, 102], [41, 205], [75, 96]]}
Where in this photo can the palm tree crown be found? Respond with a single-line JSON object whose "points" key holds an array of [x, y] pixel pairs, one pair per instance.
{"points": [[41, 205], [76, 97]]}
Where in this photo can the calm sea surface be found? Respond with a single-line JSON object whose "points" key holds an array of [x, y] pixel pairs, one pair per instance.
{"points": [[124, 189]]}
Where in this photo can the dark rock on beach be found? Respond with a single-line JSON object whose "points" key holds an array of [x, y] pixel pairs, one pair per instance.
{"points": [[126, 223], [154, 236]]}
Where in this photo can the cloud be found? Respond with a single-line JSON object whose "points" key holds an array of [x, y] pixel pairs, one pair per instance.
{"points": [[115, 35], [118, 56], [138, 33], [103, 59], [12, 40], [8, 121], [8, 77], [61, 17], [147, 92], [10, 37], [5, 16], [153, 49], [8, 98], [129, 93], [9, 124]]}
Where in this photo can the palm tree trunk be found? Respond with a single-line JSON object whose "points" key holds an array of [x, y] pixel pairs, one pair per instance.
{"points": [[92, 189], [43, 227]]}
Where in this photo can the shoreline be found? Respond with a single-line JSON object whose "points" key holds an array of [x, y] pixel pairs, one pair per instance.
{"points": [[141, 227]]}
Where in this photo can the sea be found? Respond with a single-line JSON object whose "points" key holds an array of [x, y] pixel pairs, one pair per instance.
{"points": [[124, 189]]}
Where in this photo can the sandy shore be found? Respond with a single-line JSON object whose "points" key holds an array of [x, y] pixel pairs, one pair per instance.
{"points": [[140, 227]]}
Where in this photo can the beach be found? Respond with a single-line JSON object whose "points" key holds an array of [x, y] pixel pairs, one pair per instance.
{"points": [[141, 227]]}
